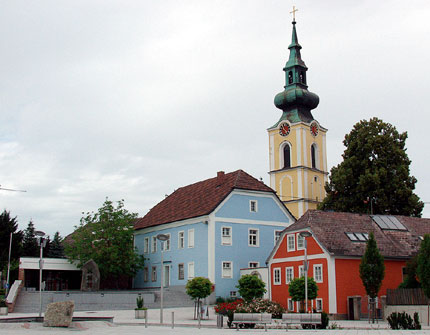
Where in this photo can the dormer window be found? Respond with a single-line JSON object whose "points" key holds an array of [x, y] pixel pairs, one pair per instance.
{"points": [[290, 77]]}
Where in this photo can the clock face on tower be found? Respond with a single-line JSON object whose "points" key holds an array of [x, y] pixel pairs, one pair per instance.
{"points": [[284, 129], [314, 128]]}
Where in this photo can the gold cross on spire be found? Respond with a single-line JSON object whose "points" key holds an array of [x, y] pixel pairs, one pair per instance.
{"points": [[294, 12]]}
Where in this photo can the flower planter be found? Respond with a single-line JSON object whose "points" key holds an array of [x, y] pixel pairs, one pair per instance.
{"points": [[3, 310], [140, 313]]}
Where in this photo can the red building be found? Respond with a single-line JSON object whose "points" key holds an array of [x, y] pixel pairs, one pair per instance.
{"points": [[334, 252]]}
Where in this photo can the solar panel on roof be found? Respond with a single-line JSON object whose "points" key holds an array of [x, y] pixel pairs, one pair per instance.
{"points": [[388, 222]]}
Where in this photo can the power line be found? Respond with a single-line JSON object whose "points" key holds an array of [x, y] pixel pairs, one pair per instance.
{"points": [[10, 189]]}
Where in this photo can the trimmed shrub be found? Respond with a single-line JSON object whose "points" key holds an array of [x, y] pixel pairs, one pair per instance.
{"points": [[403, 321]]}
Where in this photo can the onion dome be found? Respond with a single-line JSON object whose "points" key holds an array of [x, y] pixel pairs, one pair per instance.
{"points": [[296, 101]]}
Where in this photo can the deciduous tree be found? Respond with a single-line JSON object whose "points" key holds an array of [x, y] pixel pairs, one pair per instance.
{"points": [[198, 288], [296, 289], [251, 287], [106, 237], [374, 173]]}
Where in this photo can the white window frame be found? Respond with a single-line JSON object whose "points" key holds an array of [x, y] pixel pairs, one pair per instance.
{"points": [[191, 270], [166, 244], [301, 271], [302, 239], [254, 267], [257, 237], [191, 236], [145, 274], [275, 280], [290, 305], [316, 305], [315, 273], [153, 244], [146, 245], [275, 239], [226, 240], [291, 237], [253, 206], [233, 294], [181, 239], [223, 274], [287, 280]]}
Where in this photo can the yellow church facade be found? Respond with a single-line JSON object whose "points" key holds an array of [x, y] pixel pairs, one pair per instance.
{"points": [[297, 142]]}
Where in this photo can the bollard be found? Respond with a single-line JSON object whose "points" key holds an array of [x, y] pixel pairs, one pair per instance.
{"points": [[146, 318], [173, 320]]}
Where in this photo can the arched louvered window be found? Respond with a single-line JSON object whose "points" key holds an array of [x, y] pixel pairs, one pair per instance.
{"points": [[313, 156], [287, 156]]}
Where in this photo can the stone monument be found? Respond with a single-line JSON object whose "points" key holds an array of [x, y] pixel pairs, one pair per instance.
{"points": [[90, 277]]}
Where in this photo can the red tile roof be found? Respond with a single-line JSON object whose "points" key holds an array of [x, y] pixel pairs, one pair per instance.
{"points": [[199, 199], [330, 230]]}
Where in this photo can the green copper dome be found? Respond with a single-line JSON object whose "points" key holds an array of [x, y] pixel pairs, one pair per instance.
{"points": [[296, 101]]}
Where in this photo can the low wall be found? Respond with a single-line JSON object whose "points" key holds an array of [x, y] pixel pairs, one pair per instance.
{"points": [[410, 309]]}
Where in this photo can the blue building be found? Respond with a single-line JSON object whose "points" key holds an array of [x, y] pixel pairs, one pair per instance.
{"points": [[216, 227]]}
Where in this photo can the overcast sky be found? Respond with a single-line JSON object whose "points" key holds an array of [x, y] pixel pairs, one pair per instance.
{"points": [[133, 99]]}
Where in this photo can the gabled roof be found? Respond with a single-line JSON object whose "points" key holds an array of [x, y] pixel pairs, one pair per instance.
{"points": [[330, 229], [200, 198]]}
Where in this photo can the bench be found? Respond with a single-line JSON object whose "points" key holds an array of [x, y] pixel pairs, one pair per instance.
{"points": [[252, 318], [301, 318]]}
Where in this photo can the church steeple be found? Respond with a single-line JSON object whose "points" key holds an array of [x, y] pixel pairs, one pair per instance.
{"points": [[296, 101], [297, 142]]}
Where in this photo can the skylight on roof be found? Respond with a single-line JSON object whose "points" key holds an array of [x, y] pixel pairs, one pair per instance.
{"points": [[388, 222], [358, 237]]}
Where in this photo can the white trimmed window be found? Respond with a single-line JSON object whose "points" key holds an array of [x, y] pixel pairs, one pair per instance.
{"points": [[277, 276], [226, 237], [145, 274], [277, 235], [191, 270], [154, 273], [253, 240], [290, 305], [191, 238], [301, 271], [181, 275], [291, 242], [318, 273], [253, 265], [181, 240], [227, 269], [253, 206], [300, 242], [146, 245], [233, 294], [166, 244], [289, 274], [319, 305], [154, 244]]}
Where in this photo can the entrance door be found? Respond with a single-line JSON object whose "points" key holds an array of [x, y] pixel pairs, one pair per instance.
{"points": [[166, 275]]}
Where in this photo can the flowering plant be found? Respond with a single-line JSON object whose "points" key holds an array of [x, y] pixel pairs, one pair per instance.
{"points": [[228, 308], [261, 306]]}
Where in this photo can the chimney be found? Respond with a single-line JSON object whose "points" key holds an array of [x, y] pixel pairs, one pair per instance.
{"points": [[220, 178]]}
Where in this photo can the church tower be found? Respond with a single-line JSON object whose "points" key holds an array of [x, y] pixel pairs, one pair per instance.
{"points": [[297, 142]]}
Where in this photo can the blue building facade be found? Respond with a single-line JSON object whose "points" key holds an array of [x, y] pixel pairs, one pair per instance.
{"points": [[238, 230]]}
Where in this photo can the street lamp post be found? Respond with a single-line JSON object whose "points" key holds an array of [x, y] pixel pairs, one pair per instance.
{"points": [[42, 242], [305, 234], [163, 238]]}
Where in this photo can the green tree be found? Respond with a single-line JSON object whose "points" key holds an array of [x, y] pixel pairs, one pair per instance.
{"points": [[30, 247], [251, 287], [423, 268], [198, 288], [372, 270], [56, 249], [106, 237], [410, 279], [9, 225], [374, 173], [296, 289]]}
